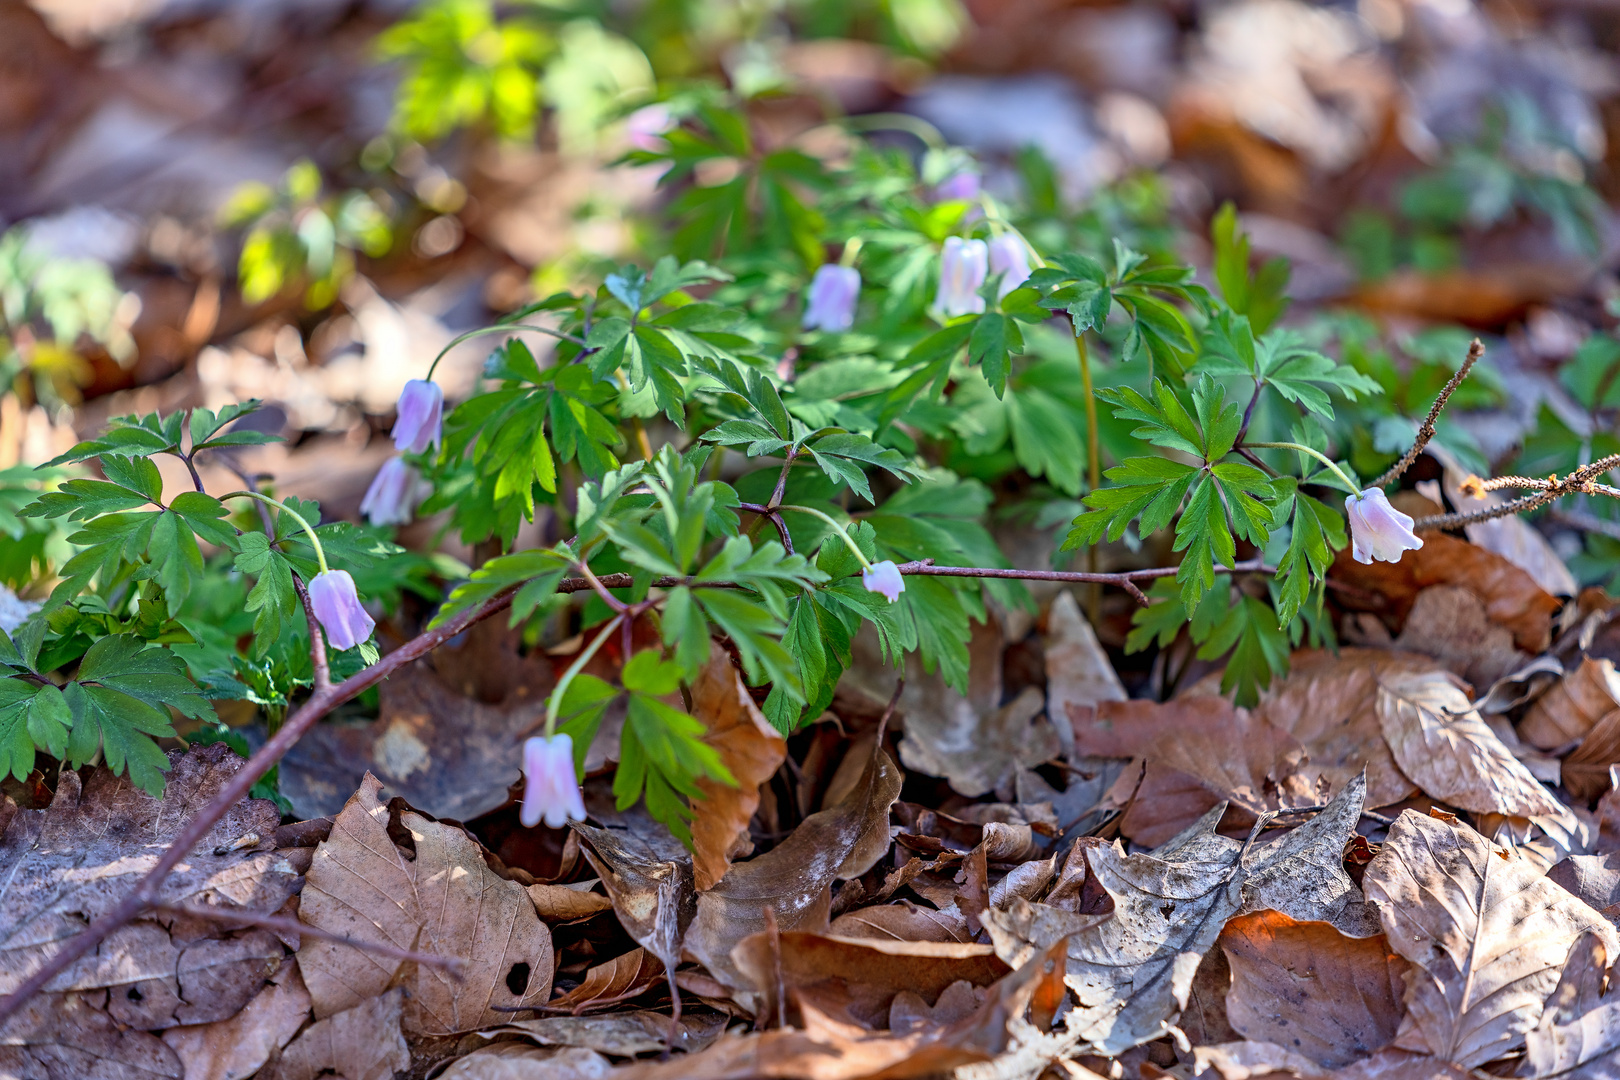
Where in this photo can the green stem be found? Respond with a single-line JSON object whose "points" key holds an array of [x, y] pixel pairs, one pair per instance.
{"points": [[580, 661], [836, 527], [1354, 487], [499, 328], [315, 541], [912, 125]]}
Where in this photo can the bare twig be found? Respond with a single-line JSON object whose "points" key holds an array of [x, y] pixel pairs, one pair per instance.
{"points": [[1476, 349], [1578, 482], [767, 511], [317, 640], [292, 926]]}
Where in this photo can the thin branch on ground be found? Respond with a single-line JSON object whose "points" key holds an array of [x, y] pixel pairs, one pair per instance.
{"points": [[1476, 350]]}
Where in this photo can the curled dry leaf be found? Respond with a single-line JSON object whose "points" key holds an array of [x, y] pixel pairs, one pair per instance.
{"points": [[1310, 989], [563, 903], [1132, 972], [623, 1034], [1078, 671], [1571, 706], [649, 879], [446, 901], [749, 748], [1579, 1032], [1585, 772], [607, 984], [237, 1047], [1512, 597], [1448, 750], [361, 1043], [792, 880], [1485, 932], [70, 863]]}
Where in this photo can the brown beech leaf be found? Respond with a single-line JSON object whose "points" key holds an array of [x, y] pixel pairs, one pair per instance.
{"points": [[1485, 932], [792, 880], [361, 1043], [874, 970], [520, 1061], [648, 876], [1585, 772], [748, 746], [237, 1047], [1078, 671], [1307, 987], [1593, 878], [62, 1036], [1512, 597], [1302, 873], [1449, 623], [621, 1034], [607, 984], [562, 903], [68, 864], [1246, 1060], [1579, 1032], [445, 901], [1511, 537], [1330, 704], [1441, 742], [1132, 971], [904, 921], [1571, 706]]}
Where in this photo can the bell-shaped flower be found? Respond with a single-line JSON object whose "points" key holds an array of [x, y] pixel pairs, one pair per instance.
{"points": [[392, 497], [647, 126], [884, 578], [337, 607], [830, 302], [1377, 529], [958, 186], [962, 269], [550, 785], [419, 416], [1009, 258]]}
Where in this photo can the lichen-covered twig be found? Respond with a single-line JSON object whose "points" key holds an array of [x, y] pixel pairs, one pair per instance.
{"points": [[1476, 349]]}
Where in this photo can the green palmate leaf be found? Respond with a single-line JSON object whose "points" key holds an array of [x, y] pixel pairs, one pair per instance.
{"points": [[1316, 532], [995, 338], [534, 573], [1248, 631], [661, 750], [129, 437], [1261, 296], [30, 716], [1281, 361]]}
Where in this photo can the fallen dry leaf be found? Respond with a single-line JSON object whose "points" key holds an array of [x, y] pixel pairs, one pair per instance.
{"points": [[1306, 987], [1485, 932], [1595, 879], [749, 748], [1571, 706], [71, 862], [615, 981], [520, 1061], [648, 877], [1512, 597], [1585, 772], [1078, 672], [904, 921], [446, 901], [237, 1047], [1511, 537], [1132, 971], [793, 878], [563, 903], [1302, 873], [362, 1043], [1247, 1060], [1448, 750], [1579, 1032], [62, 1036], [623, 1034], [1449, 623]]}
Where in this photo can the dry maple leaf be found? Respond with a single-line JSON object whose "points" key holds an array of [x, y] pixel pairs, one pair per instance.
{"points": [[1440, 741], [445, 900], [751, 751], [70, 863], [362, 1043], [793, 878], [1485, 932], [1310, 989]]}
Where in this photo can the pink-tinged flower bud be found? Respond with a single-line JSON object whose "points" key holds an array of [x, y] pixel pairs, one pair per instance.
{"points": [[958, 186], [884, 578], [1009, 258], [337, 607], [962, 269], [420, 414], [1377, 529], [392, 497], [830, 303], [646, 127], [550, 786]]}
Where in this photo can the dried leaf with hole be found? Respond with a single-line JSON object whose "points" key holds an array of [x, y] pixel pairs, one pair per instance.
{"points": [[749, 748], [1442, 743], [793, 878], [361, 1043], [1571, 706], [445, 901], [72, 862], [1485, 932], [1308, 988], [237, 1047], [1132, 972]]}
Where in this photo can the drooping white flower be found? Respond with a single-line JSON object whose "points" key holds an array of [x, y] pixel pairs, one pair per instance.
{"points": [[419, 416], [1377, 529], [1009, 258], [830, 302], [336, 604], [550, 786], [963, 266], [884, 578]]}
